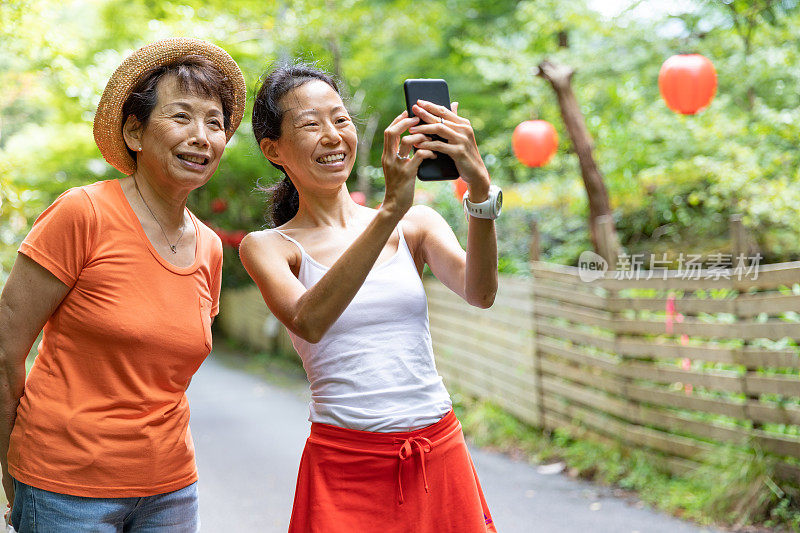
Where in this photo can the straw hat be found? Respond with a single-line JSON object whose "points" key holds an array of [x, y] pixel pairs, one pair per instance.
{"points": [[108, 120]]}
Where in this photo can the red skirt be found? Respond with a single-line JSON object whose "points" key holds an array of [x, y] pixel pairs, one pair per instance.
{"points": [[419, 481]]}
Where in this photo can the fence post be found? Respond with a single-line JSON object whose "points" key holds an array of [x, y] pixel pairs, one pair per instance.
{"points": [[538, 392], [607, 240], [534, 246], [737, 236], [741, 247]]}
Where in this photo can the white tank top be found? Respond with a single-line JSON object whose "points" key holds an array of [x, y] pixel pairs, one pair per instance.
{"points": [[373, 370]]}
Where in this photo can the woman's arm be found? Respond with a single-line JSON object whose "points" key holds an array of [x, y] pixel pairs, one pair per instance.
{"points": [[473, 275], [31, 294], [267, 257]]}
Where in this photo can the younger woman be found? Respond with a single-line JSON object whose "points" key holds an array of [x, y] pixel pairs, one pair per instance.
{"points": [[386, 453]]}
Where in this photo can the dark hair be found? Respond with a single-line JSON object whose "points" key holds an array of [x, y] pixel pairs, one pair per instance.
{"points": [[267, 118], [195, 75]]}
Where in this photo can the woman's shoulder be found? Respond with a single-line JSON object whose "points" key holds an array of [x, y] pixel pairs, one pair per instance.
{"points": [[75, 202], [207, 232], [420, 219], [91, 199], [270, 244]]}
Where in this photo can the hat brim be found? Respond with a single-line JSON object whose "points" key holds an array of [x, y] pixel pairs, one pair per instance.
{"points": [[108, 120]]}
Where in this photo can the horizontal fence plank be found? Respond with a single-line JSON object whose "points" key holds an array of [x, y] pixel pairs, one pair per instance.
{"points": [[753, 410], [743, 305], [603, 340], [502, 319], [522, 360], [505, 298], [771, 329], [513, 295], [775, 275], [772, 413], [565, 293], [565, 276], [783, 385], [594, 378], [672, 422], [642, 415], [518, 374], [651, 438], [685, 305], [748, 356], [763, 276], [472, 381], [573, 313], [508, 339], [718, 379], [673, 465], [576, 355], [712, 379]]}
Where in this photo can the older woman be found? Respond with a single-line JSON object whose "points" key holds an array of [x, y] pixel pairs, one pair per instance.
{"points": [[125, 281]]}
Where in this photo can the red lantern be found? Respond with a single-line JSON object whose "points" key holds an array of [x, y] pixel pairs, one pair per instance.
{"points": [[359, 197], [534, 142], [687, 83], [460, 188]]}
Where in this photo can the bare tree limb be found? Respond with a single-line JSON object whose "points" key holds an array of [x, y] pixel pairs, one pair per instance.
{"points": [[604, 236]]}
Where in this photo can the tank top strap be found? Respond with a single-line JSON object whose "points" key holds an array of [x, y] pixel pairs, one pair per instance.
{"points": [[403, 243], [308, 259], [300, 246]]}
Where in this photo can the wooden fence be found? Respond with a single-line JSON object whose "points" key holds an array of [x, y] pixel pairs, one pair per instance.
{"points": [[670, 366], [673, 365]]}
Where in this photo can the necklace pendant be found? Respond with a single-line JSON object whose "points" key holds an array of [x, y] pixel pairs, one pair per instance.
{"points": [[173, 248]]}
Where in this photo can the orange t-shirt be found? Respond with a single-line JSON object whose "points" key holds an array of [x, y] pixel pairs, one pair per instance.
{"points": [[104, 413]]}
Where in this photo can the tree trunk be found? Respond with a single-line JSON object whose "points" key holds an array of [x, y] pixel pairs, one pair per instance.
{"points": [[604, 235]]}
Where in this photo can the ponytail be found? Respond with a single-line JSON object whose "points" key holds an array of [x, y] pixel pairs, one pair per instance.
{"points": [[284, 201]]}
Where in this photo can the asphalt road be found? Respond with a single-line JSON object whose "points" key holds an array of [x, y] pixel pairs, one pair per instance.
{"points": [[249, 434]]}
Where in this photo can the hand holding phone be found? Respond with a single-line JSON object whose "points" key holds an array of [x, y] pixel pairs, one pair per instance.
{"points": [[435, 91]]}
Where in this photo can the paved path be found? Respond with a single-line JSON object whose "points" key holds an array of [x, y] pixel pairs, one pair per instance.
{"points": [[249, 435]]}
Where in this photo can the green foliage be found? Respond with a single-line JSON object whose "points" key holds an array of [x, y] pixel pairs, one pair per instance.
{"points": [[673, 180]]}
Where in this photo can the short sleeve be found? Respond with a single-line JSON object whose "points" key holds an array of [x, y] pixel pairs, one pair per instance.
{"points": [[216, 280], [62, 236]]}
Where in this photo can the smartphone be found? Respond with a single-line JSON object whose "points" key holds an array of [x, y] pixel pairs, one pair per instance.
{"points": [[443, 167]]}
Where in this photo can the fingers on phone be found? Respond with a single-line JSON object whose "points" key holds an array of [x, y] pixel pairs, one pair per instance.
{"points": [[399, 117], [391, 135], [437, 110], [409, 141], [425, 114], [419, 155], [438, 146]]}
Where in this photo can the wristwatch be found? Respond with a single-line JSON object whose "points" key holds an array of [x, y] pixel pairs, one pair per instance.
{"points": [[489, 208]]}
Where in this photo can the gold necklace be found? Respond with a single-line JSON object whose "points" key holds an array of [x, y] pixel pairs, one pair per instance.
{"points": [[173, 247]]}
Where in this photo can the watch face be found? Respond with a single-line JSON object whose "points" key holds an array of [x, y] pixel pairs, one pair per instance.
{"points": [[498, 204]]}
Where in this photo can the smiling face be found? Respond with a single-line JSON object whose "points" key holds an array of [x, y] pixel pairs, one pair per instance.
{"points": [[317, 146], [182, 141]]}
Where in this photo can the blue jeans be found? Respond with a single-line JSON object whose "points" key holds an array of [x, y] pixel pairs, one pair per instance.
{"points": [[41, 511]]}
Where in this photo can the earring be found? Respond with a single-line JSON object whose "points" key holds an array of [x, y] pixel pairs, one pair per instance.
{"points": [[139, 149]]}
